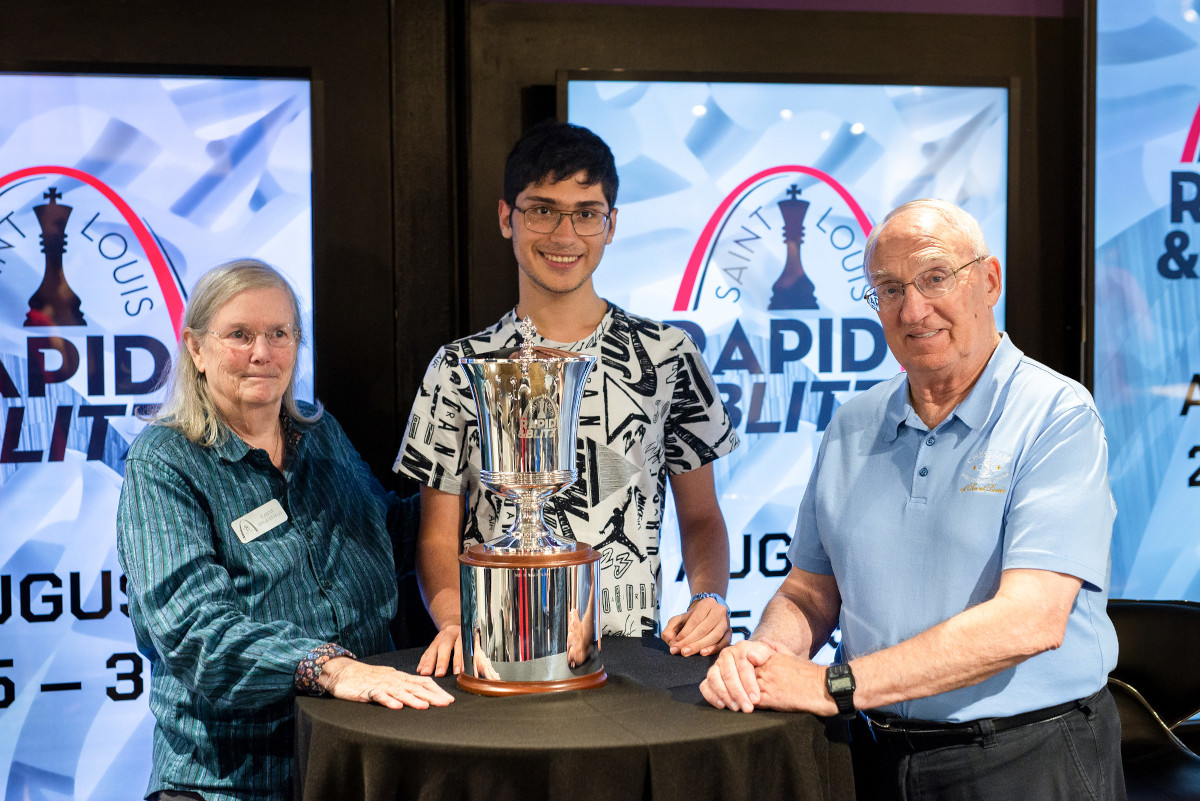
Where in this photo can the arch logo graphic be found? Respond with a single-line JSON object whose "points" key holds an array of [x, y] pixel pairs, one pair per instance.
{"points": [[781, 258], [763, 222], [101, 308]]}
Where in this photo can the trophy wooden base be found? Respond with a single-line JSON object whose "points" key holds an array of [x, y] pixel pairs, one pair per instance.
{"points": [[496, 687], [530, 621]]}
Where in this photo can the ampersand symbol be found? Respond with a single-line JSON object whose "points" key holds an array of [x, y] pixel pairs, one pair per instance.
{"points": [[1176, 243]]}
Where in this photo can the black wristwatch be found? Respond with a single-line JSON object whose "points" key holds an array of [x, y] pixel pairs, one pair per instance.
{"points": [[840, 683]]}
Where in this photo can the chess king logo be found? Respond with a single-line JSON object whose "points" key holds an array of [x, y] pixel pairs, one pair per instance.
{"points": [[780, 262], [100, 321], [750, 249], [54, 303]]}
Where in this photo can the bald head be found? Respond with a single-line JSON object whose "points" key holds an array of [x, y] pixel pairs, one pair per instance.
{"points": [[947, 221]]}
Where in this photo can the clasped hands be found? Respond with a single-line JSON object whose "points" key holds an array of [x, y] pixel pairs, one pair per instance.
{"points": [[761, 674]]}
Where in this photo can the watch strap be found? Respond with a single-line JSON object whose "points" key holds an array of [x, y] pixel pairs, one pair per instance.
{"points": [[839, 681], [715, 596]]}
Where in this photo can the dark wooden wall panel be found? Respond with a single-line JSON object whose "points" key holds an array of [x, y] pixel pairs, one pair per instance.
{"points": [[419, 102], [347, 50], [516, 49]]}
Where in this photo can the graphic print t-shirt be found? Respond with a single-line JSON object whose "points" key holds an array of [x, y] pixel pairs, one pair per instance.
{"points": [[649, 410]]}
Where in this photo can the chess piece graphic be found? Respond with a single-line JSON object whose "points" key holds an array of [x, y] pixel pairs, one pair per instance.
{"points": [[54, 303], [793, 289]]}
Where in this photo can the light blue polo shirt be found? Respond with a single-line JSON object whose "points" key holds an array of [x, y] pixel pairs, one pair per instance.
{"points": [[917, 525]]}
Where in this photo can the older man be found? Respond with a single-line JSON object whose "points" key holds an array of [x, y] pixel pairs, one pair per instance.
{"points": [[957, 526]]}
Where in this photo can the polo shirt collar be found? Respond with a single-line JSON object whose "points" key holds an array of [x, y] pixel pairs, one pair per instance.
{"points": [[975, 409], [984, 397]]}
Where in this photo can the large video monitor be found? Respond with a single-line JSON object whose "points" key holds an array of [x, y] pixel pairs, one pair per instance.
{"points": [[744, 205], [1145, 342], [116, 193]]}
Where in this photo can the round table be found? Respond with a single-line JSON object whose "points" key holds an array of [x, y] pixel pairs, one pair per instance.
{"points": [[646, 734]]}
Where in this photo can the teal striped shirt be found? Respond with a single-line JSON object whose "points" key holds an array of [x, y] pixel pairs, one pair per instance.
{"points": [[225, 623]]}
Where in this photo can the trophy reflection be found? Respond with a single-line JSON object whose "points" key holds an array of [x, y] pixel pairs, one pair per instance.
{"points": [[530, 620]]}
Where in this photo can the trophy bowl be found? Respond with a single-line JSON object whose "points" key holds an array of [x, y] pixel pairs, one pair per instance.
{"points": [[528, 412], [530, 598]]}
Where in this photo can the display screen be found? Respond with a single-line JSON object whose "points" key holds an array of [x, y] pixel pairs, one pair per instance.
{"points": [[1146, 325], [116, 193], [744, 207]]}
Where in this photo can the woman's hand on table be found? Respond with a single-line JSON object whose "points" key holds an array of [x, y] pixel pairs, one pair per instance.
{"points": [[352, 680], [444, 652]]}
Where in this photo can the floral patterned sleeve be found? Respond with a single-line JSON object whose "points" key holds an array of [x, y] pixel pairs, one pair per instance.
{"points": [[310, 667]]}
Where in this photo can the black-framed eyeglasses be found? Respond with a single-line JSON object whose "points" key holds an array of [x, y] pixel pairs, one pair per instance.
{"points": [[545, 220], [239, 338], [931, 283]]}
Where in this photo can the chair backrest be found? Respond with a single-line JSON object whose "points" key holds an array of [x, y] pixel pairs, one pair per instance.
{"points": [[1160, 654], [1156, 764], [1143, 732]]}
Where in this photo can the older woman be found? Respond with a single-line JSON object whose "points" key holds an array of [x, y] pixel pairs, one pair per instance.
{"points": [[256, 548]]}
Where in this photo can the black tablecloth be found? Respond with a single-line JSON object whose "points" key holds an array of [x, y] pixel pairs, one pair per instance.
{"points": [[647, 734]]}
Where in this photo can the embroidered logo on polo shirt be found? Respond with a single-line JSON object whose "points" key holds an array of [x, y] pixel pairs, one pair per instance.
{"points": [[987, 471]]}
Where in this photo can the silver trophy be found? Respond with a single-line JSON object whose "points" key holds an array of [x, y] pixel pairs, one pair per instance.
{"points": [[530, 598]]}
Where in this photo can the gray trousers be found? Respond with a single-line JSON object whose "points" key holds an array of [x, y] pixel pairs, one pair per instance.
{"points": [[1073, 757]]}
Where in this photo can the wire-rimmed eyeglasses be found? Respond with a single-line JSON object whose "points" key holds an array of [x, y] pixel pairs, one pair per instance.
{"points": [[241, 338], [932, 284], [545, 220]]}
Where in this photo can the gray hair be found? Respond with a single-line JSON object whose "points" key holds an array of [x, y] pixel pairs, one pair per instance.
{"points": [[956, 219], [189, 407]]}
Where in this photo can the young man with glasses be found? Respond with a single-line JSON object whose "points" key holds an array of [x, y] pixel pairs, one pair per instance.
{"points": [[650, 416], [957, 526]]}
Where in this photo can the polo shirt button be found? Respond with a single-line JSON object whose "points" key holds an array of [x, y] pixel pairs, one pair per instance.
{"points": [[924, 471], [929, 441]]}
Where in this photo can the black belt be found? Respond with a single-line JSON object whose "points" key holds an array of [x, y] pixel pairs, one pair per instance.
{"points": [[923, 735]]}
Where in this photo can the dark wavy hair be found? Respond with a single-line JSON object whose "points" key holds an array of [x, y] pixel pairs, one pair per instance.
{"points": [[553, 150]]}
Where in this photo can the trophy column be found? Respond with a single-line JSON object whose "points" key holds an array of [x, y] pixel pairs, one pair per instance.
{"points": [[530, 598]]}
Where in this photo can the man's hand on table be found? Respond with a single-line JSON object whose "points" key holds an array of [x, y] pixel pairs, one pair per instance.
{"points": [[445, 649], [791, 683], [732, 682], [761, 674], [703, 629], [352, 680]]}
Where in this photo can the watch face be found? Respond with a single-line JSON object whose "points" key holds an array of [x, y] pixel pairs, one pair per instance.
{"points": [[840, 684]]}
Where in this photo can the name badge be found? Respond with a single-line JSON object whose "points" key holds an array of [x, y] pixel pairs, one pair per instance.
{"points": [[253, 525]]}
